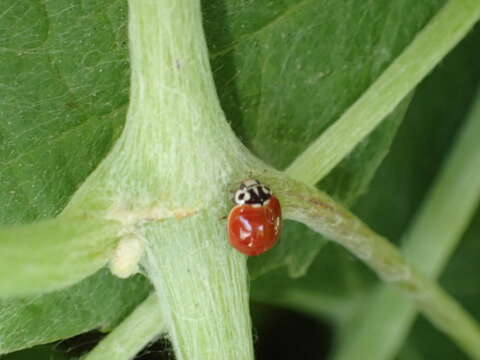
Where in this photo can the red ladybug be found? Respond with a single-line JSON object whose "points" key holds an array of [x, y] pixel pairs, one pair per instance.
{"points": [[254, 223]]}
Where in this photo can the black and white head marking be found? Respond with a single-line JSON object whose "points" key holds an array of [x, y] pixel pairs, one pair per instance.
{"points": [[252, 192]]}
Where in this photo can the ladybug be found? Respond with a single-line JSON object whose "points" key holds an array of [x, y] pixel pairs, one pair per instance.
{"points": [[254, 223]]}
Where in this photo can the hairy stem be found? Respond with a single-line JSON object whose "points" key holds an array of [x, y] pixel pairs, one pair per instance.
{"points": [[443, 32], [431, 239], [140, 328], [319, 212], [53, 254], [203, 289], [167, 179]]}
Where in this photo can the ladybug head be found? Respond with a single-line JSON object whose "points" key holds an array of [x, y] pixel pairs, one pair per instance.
{"points": [[252, 192]]}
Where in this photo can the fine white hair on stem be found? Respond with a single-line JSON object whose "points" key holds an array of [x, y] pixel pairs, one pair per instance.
{"points": [[319, 212], [202, 288]]}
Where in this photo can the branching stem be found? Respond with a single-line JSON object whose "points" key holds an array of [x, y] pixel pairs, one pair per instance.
{"points": [[432, 238], [441, 34], [319, 212], [53, 254], [166, 181], [141, 327], [178, 155]]}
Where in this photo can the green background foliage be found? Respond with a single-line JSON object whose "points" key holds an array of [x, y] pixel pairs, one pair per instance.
{"points": [[284, 70], [434, 117], [287, 70], [64, 92]]}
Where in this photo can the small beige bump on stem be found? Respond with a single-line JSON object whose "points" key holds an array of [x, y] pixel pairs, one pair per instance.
{"points": [[126, 258]]}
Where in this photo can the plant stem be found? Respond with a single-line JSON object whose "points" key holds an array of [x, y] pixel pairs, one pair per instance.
{"points": [[140, 328], [53, 254], [319, 212], [432, 238], [443, 32], [166, 181], [203, 288]]}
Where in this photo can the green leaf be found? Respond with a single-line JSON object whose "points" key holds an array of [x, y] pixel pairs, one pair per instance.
{"points": [[437, 112], [329, 290], [63, 97], [43, 352], [287, 70], [100, 301], [284, 72], [296, 259], [76, 89]]}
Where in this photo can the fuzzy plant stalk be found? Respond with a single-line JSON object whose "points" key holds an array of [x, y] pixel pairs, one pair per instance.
{"points": [[29, 254], [432, 238], [320, 213], [166, 186], [167, 182], [429, 47], [140, 328]]}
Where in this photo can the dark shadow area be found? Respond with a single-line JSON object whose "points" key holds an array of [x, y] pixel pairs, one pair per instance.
{"points": [[159, 350], [279, 334], [79, 345], [289, 335]]}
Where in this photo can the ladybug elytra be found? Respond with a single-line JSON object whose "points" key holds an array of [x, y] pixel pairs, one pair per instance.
{"points": [[254, 223]]}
